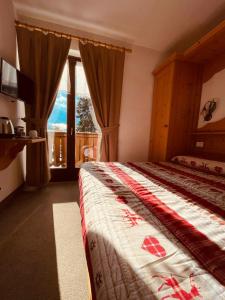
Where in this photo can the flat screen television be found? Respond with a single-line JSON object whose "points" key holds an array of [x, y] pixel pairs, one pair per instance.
{"points": [[14, 83], [9, 82]]}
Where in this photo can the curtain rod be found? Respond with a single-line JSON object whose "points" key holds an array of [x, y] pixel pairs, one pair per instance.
{"points": [[74, 37]]}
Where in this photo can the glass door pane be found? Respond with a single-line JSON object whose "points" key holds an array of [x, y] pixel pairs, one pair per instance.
{"points": [[57, 126], [87, 135]]}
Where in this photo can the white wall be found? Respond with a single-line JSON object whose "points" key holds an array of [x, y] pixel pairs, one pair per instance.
{"points": [[136, 104], [13, 176], [214, 88]]}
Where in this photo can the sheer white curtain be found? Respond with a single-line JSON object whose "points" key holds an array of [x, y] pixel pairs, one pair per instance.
{"points": [[83, 90]]}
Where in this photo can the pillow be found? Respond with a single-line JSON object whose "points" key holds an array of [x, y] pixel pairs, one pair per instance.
{"points": [[206, 165]]}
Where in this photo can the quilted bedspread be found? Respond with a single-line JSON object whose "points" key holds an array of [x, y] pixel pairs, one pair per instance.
{"points": [[153, 231]]}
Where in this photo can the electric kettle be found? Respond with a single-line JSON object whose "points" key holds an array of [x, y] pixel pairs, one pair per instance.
{"points": [[6, 128]]}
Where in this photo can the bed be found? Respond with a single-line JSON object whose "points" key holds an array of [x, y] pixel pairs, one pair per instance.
{"points": [[154, 230]]}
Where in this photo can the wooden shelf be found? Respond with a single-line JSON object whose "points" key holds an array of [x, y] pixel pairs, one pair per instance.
{"points": [[10, 147], [208, 133]]}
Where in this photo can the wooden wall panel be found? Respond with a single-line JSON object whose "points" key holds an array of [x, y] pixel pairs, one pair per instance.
{"points": [[214, 146], [213, 66], [213, 137], [214, 127]]}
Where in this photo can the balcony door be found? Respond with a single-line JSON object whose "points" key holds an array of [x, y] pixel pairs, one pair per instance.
{"points": [[73, 133]]}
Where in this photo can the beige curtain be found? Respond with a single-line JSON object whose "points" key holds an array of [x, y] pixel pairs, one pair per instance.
{"points": [[42, 58], [104, 71]]}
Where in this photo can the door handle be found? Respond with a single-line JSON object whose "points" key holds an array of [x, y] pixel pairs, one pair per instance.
{"points": [[71, 131]]}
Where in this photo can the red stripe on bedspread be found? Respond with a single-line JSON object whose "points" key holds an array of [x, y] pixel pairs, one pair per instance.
{"points": [[209, 254], [217, 184], [85, 240], [194, 198]]}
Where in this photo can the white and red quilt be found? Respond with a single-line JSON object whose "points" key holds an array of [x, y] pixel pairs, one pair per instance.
{"points": [[153, 231]]}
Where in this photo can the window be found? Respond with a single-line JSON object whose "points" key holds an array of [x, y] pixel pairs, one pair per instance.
{"points": [[79, 134]]}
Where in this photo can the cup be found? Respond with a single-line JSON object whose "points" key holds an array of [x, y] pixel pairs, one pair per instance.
{"points": [[19, 131], [33, 134]]}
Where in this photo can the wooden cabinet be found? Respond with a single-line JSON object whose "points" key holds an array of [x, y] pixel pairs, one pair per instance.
{"points": [[176, 95], [176, 100]]}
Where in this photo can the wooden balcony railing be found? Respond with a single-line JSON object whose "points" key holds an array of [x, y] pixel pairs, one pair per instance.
{"points": [[85, 148]]}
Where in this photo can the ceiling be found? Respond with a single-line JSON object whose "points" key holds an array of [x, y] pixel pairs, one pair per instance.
{"points": [[162, 25]]}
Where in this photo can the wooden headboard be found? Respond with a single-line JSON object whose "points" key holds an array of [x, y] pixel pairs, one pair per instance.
{"points": [[212, 136]]}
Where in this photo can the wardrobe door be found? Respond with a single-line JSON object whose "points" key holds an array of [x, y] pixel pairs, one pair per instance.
{"points": [[162, 96], [186, 100]]}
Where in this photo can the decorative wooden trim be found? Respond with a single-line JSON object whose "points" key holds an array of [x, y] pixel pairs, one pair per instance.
{"points": [[209, 46]]}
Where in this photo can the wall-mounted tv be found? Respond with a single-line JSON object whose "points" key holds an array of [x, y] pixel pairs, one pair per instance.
{"points": [[9, 83], [15, 84]]}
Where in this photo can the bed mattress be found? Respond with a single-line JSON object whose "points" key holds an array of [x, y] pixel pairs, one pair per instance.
{"points": [[153, 231]]}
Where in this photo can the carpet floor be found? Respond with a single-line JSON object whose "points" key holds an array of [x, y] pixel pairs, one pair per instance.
{"points": [[41, 250]]}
